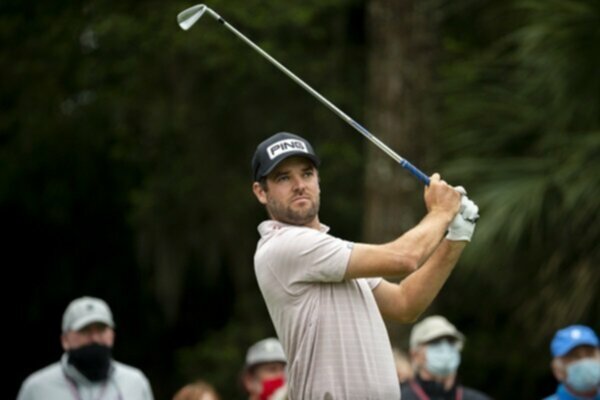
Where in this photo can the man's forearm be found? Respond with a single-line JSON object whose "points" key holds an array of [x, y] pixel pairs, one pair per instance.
{"points": [[404, 255], [419, 289], [422, 240]]}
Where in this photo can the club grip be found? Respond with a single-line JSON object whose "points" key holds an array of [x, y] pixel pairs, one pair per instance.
{"points": [[415, 171]]}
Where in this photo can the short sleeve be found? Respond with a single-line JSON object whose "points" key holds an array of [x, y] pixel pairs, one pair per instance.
{"points": [[307, 255], [373, 282]]}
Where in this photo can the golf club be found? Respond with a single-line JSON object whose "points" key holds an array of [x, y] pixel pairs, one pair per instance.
{"points": [[188, 17]]}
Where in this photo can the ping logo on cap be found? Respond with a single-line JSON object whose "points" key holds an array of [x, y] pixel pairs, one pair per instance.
{"points": [[284, 146]]}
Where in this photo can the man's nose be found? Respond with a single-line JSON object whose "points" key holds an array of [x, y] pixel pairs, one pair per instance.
{"points": [[299, 183], [95, 336]]}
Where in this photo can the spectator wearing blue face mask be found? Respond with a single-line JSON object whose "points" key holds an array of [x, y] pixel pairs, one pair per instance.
{"points": [[435, 347], [576, 363]]}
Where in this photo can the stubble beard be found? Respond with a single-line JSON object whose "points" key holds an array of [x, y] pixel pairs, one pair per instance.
{"points": [[286, 214]]}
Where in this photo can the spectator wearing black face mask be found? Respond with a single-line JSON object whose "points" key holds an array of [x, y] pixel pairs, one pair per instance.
{"points": [[86, 369]]}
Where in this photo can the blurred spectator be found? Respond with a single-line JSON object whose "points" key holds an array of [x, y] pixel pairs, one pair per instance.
{"points": [[86, 369], [263, 376], [576, 363], [403, 367], [435, 347], [198, 390]]}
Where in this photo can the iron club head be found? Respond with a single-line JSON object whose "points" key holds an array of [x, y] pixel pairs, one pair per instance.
{"points": [[189, 16]]}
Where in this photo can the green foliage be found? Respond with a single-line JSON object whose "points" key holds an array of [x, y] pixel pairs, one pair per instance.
{"points": [[523, 132], [219, 358]]}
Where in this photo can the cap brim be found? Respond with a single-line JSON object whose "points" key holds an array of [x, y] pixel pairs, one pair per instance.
{"points": [[257, 361], [90, 319], [311, 157], [573, 344], [441, 333]]}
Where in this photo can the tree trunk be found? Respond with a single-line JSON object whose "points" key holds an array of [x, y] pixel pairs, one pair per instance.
{"points": [[401, 112]]}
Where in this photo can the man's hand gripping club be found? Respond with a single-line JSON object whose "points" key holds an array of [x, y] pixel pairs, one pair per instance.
{"points": [[463, 225]]}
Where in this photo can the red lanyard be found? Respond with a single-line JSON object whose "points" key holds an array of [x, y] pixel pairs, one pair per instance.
{"points": [[423, 396]]}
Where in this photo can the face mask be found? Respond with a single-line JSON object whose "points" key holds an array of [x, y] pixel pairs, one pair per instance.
{"points": [[269, 386], [442, 359], [92, 360], [584, 375]]}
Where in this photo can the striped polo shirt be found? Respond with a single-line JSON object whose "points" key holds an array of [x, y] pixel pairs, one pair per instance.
{"points": [[331, 329]]}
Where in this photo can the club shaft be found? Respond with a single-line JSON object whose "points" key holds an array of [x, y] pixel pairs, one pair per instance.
{"points": [[386, 149]]}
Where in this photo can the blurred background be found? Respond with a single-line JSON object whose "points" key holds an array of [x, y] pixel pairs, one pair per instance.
{"points": [[125, 147]]}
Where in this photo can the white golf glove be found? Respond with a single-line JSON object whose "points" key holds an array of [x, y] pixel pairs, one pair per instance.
{"points": [[463, 224]]}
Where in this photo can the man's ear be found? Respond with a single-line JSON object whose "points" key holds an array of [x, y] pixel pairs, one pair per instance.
{"points": [[259, 192], [250, 383], [417, 357], [558, 369], [64, 342]]}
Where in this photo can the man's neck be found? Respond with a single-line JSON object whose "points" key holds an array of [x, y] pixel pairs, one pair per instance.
{"points": [[314, 224]]}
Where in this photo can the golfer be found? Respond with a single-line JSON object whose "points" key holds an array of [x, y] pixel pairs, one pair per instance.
{"points": [[325, 295]]}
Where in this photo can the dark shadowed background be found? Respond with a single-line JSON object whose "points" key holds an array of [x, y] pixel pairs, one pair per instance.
{"points": [[125, 147]]}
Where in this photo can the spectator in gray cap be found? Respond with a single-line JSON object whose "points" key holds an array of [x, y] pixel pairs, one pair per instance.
{"points": [[435, 347], [263, 376], [86, 369]]}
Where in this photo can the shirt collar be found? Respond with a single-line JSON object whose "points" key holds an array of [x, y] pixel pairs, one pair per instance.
{"points": [[269, 226]]}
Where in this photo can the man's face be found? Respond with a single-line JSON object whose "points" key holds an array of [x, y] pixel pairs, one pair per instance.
{"points": [[292, 193], [255, 378], [580, 352], [93, 333], [268, 371], [437, 358], [560, 364]]}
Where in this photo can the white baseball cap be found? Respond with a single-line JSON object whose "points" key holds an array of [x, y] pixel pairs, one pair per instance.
{"points": [[264, 351], [84, 311], [432, 328]]}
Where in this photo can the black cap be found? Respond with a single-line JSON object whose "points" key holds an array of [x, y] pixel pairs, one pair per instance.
{"points": [[277, 148]]}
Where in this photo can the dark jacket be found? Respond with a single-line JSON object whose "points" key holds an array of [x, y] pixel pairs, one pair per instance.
{"points": [[428, 390]]}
